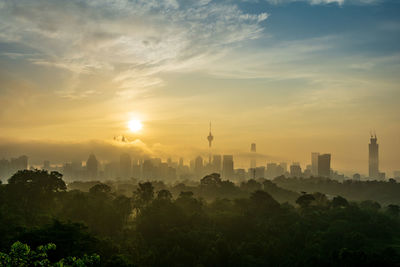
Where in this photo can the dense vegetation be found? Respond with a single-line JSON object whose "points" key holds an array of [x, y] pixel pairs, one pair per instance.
{"points": [[384, 192], [216, 223]]}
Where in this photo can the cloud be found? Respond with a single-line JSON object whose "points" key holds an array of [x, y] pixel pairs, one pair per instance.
{"points": [[135, 40], [61, 152], [322, 2]]}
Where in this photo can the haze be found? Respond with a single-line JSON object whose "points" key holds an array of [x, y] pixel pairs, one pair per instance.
{"points": [[292, 76]]}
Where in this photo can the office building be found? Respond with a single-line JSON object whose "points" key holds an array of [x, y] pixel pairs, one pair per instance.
{"points": [[373, 162], [314, 163], [295, 170], [92, 166], [227, 167], [324, 165], [125, 166]]}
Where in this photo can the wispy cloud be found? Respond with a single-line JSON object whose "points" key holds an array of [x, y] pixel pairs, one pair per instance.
{"points": [[321, 2], [136, 40]]}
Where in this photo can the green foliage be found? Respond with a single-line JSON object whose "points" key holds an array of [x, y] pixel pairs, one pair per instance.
{"points": [[213, 223], [22, 255], [305, 200]]}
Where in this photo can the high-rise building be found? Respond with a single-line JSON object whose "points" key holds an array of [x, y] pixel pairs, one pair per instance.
{"points": [[373, 157], [198, 166], [92, 166], [210, 137], [111, 170], [148, 169], [283, 165], [180, 162], [227, 167], [324, 165], [307, 172], [18, 164], [272, 171], [216, 163], [125, 166], [259, 172], [295, 170], [253, 150], [314, 163], [46, 165]]}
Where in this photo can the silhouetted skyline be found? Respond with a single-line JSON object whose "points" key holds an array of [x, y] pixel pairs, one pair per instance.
{"points": [[291, 76]]}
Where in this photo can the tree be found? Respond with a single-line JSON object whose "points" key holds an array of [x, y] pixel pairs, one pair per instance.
{"points": [[32, 193], [305, 200], [145, 192], [38, 180], [22, 255], [164, 195], [339, 201], [393, 210], [100, 188], [251, 185], [212, 180], [263, 201], [143, 196]]}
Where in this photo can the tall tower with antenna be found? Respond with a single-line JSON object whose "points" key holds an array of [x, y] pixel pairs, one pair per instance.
{"points": [[373, 162], [210, 138]]}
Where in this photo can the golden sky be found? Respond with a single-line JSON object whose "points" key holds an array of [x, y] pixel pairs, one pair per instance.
{"points": [[266, 72]]}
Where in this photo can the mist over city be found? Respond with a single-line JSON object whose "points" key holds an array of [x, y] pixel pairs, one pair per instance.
{"points": [[199, 133]]}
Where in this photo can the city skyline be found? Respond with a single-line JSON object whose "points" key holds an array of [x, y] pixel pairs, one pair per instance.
{"points": [[291, 76], [319, 165], [123, 145]]}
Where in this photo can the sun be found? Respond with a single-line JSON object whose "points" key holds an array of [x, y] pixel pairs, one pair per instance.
{"points": [[135, 125]]}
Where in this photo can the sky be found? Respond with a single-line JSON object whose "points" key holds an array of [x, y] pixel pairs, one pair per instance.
{"points": [[292, 76]]}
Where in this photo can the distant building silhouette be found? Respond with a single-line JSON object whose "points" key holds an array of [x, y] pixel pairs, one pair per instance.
{"points": [[92, 166], [125, 166], [217, 163], [259, 172], [307, 172], [46, 165], [283, 165], [198, 166], [148, 169], [253, 150], [273, 170], [227, 167], [324, 165], [314, 163], [18, 164], [295, 170], [357, 177], [210, 138], [373, 162]]}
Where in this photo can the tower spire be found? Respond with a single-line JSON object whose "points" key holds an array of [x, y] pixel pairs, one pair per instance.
{"points": [[210, 137]]}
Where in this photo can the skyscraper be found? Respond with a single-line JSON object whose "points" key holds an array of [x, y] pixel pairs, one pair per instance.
{"points": [[253, 163], [314, 163], [295, 170], [272, 170], [217, 163], [324, 165], [92, 166], [373, 157], [210, 138], [125, 166], [198, 166], [227, 167]]}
